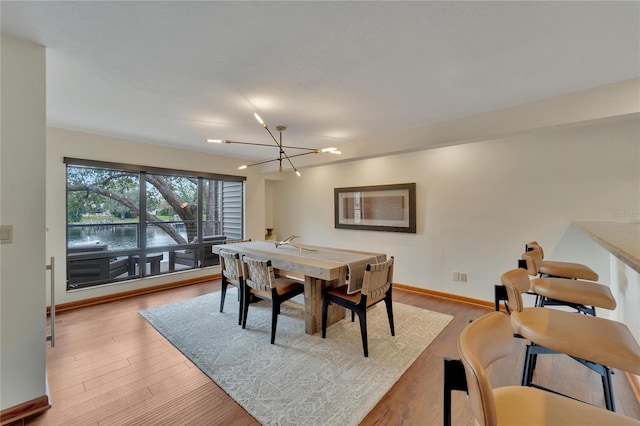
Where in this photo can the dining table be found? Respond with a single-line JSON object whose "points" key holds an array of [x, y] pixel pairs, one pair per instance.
{"points": [[318, 267]]}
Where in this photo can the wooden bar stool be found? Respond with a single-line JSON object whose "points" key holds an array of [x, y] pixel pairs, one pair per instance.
{"points": [[597, 343]]}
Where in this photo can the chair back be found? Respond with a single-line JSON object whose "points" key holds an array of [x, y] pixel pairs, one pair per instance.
{"points": [[533, 258], [231, 265], [258, 273], [482, 342], [530, 245], [533, 245], [517, 282], [377, 278]]}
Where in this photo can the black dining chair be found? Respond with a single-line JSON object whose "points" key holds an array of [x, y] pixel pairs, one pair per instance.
{"points": [[261, 281], [376, 287], [232, 274]]}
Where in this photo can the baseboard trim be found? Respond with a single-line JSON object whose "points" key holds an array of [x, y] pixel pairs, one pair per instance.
{"points": [[126, 294], [26, 409], [118, 296], [446, 296]]}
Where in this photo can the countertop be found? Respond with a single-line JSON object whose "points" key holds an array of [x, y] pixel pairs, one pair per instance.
{"points": [[621, 239]]}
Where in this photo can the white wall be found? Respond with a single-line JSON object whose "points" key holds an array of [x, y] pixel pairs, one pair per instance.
{"points": [[22, 195], [64, 143], [626, 290], [479, 203]]}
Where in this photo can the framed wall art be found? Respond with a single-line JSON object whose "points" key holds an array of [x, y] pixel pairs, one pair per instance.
{"points": [[390, 208]]}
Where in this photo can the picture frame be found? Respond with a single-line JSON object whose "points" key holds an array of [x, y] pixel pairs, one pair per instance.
{"points": [[388, 208]]}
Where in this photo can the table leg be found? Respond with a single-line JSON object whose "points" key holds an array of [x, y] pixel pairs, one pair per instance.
{"points": [[313, 288]]}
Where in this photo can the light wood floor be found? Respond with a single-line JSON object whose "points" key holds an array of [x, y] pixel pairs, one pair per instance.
{"points": [[110, 367]]}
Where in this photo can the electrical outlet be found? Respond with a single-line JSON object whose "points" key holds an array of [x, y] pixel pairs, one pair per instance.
{"points": [[455, 276], [6, 234], [463, 277]]}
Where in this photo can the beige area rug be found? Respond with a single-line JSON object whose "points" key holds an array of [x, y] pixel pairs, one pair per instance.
{"points": [[301, 379]]}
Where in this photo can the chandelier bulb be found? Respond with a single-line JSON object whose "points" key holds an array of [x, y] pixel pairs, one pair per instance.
{"points": [[255, 114]]}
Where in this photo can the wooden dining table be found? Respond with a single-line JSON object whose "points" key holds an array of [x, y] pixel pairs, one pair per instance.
{"points": [[318, 267]]}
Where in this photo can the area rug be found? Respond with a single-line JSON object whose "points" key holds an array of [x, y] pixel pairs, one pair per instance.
{"points": [[301, 379]]}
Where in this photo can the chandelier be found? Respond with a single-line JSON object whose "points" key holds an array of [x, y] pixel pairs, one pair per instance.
{"points": [[282, 155]]}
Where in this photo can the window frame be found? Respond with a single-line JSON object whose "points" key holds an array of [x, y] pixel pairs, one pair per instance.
{"points": [[140, 253]]}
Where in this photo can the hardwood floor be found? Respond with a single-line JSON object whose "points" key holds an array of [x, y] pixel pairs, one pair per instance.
{"points": [[110, 367]]}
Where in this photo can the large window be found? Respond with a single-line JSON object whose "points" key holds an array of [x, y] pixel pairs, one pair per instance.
{"points": [[126, 221]]}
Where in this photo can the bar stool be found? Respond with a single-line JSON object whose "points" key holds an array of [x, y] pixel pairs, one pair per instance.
{"points": [[583, 296], [488, 339], [536, 265], [597, 343]]}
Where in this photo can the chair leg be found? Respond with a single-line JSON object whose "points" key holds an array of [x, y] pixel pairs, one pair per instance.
{"points": [[274, 319], [362, 316], [607, 386], [241, 304], [529, 365], [223, 293], [246, 295], [387, 302], [454, 379], [525, 366], [325, 308]]}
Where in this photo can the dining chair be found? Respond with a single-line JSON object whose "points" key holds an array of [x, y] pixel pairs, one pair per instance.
{"points": [[488, 339], [261, 281], [376, 287], [232, 274]]}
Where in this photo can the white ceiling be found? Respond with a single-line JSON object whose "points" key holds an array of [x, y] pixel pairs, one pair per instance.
{"points": [[175, 73]]}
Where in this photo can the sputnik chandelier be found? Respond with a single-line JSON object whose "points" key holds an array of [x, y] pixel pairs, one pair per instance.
{"points": [[278, 144]]}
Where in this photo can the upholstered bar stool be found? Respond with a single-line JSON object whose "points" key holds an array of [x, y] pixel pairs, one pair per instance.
{"points": [[537, 265], [566, 284], [597, 343], [583, 296], [488, 339]]}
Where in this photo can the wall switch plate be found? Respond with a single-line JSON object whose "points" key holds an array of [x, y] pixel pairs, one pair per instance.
{"points": [[455, 276], [463, 277], [6, 234]]}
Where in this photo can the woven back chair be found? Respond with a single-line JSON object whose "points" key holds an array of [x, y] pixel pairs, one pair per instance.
{"points": [[376, 287], [232, 274], [261, 281]]}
